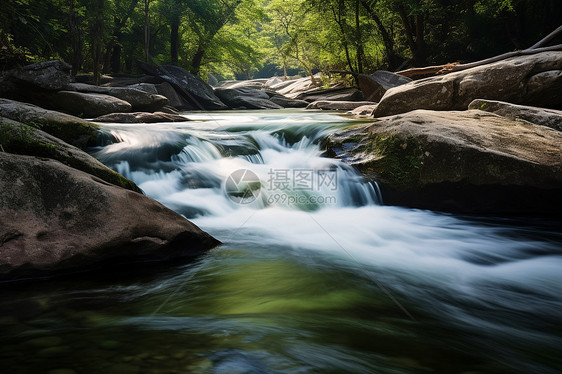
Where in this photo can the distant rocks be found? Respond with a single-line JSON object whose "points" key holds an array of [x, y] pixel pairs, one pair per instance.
{"points": [[246, 98], [88, 104], [529, 80], [50, 75], [374, 86], [140, 117], [142, 97], [337, 105], [197, 93]]}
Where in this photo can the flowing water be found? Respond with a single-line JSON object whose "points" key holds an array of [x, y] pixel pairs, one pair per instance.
{"points": [[314, 276]]}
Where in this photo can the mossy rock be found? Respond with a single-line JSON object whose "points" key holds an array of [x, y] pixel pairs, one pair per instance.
{"points": [[470, 161], [72, 130], [22, 139]]}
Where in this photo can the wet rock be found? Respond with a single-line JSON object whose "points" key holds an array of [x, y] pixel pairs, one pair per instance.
{"points": [[337, 105], [88, 104], [140, 117], [330, 94], [528, 80], [285, 102], [364, 111], [196, 92], [70, 129], [375, 85], [49, 75], [82, 220], [470, 161], [245, 97], [21, 139], [140, 99], [538, 116]]}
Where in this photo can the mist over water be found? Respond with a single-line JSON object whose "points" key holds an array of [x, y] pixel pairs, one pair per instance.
{"points": [[315, 274]]}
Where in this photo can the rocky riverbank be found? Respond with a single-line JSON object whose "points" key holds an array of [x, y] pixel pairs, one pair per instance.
{"points": [[62, 210], [485, 140]]}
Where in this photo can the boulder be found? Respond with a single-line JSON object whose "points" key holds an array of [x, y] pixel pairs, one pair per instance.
{"points": [[22, 139], [295, 86], [49, 75], [364, 111], [470, 161], [285, 102], [375, 85], [176, 101], [245, 97], [140, 117], [255, 84], [140, 100], [88, 104], [70, 129], [538, 116], [330, 94], [54, 217], [196, 92], [530, 80], [337, 105]]}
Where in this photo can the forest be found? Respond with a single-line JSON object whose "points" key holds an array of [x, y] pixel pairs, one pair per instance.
{"points": [[261, 38]]}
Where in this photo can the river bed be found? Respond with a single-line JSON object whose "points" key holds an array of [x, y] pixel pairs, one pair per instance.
{"points": [[315, 274]]}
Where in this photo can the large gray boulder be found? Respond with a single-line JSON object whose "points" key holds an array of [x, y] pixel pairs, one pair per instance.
{"points": [[140, 117], [329, 94], [337, 105], [22, 139], [364, 111], [286, 102], [54, 217], [293, 87], [176, 101], [529, 80], [49, 75], [538, 116], [193, 89], [70, 129], [245, 97], [88, 104], [470, 161], [374, 86], [140, 100]]}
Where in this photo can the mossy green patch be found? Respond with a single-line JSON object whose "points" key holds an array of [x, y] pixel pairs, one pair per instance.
{"points": [[397, 159]]}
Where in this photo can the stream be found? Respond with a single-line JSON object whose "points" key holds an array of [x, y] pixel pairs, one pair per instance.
{"points": [[315, 274]]}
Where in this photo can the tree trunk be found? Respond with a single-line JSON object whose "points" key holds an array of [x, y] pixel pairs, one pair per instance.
{"points": [[97, 45], [116, 58], [197, 59], [174, 39], [76, 40], [390, 55], [146, 30], [358, 39]]}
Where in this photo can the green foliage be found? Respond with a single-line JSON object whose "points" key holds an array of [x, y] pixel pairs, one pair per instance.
{"points": [[237, 38]]}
